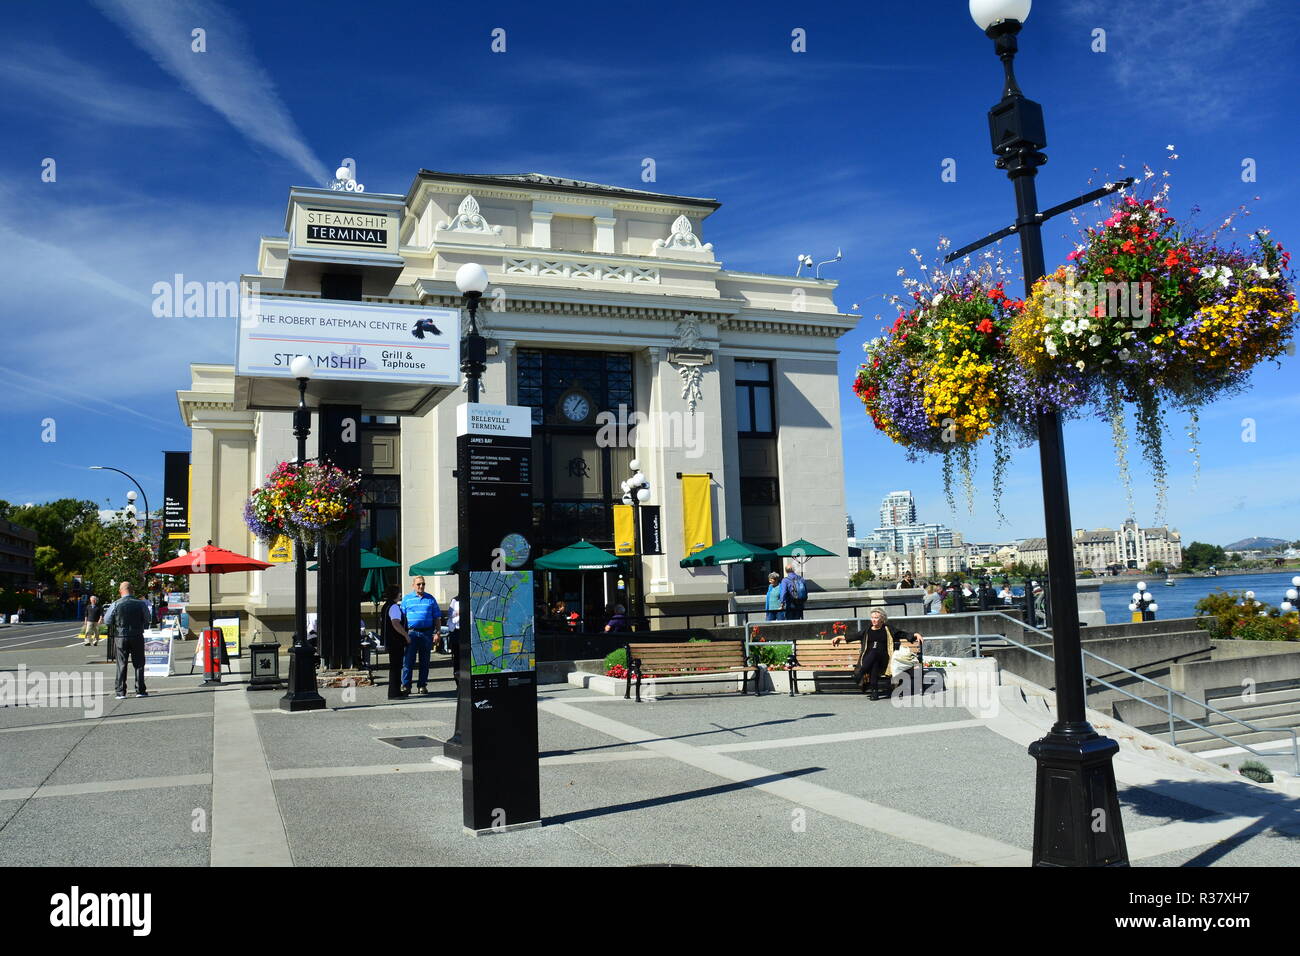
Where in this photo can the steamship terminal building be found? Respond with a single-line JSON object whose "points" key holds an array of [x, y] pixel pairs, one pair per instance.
{"points": [[615, 322]]}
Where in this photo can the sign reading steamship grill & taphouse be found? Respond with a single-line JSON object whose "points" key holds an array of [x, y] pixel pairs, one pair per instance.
{"points": [[350, 341]]}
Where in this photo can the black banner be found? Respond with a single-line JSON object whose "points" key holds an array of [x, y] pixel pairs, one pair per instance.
{"points": [[652, 539], [176, 494]]}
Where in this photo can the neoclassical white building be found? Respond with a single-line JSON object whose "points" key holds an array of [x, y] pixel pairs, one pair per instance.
{"points": [[603, 301]]}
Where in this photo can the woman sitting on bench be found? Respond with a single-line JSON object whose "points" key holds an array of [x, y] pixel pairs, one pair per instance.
{"points": [[879, 646]]}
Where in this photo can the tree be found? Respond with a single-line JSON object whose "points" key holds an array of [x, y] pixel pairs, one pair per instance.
{"points": [[1198, 554], [1157, 566], [861, 577], [61, 526], [119, 555]]}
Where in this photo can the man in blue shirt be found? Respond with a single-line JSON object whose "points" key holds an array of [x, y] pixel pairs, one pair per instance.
{"points": [[793, 592], [423, 616]]}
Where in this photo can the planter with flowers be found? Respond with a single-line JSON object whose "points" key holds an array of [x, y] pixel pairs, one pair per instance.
{"points": [[315, 503]]}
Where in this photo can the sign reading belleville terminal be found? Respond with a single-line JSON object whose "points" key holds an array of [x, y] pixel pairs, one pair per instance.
{"points": [[351, 341]]}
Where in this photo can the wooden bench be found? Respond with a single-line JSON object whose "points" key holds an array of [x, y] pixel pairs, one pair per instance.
{"points": [[818, 655], [712, 662]]}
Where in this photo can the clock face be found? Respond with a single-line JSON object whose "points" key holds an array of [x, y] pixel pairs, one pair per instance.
{"points": [[576, 407]]}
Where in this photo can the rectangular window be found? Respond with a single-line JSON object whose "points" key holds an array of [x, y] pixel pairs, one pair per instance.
{"points": [[754, 409]]}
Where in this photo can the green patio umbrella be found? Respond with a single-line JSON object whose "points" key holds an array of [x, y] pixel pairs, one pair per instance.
{"points": [[370, 560], [445, 562], [802, 550], [580, 556], [727, 551]]}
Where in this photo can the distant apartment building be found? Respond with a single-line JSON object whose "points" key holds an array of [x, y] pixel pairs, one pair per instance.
{"points": [[898, 508], [1129, 548], [17, 556]]}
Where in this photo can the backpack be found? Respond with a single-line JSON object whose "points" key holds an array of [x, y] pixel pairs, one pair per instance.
{"points": [[799, 590]]}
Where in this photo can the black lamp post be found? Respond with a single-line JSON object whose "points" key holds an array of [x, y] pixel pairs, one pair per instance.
{"points": [[302, 694], [636, 491], [110, 644], [1076, 808], [472, 282]]}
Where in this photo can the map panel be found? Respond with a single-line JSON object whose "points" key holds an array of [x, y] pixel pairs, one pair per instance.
{"points": [[501, 622]]}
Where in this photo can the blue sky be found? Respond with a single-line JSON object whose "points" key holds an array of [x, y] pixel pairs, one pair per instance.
{"points": [[170, 161]]}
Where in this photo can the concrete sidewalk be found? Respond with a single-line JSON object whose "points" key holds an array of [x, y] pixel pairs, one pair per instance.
{"points": [[199, 776]]}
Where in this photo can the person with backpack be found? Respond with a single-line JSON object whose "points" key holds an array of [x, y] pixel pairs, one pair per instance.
{"points": [[793, 594]]}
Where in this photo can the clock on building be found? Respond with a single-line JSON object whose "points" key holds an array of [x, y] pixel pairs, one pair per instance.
{"points": [[576, 407]]}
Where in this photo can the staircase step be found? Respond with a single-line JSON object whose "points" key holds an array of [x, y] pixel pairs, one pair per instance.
{"points": [[1188, 734], [1229, 702], [1217, 743]]}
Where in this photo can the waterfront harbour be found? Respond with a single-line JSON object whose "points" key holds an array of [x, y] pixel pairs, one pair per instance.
{"points": [[1180, 600]]}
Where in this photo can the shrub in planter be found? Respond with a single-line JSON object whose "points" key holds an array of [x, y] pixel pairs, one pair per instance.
{"points": [[1256, 771], [616, 658]]}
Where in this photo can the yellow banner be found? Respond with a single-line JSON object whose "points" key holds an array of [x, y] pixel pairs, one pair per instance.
{"points": [[282, 551], [624, 531], [697, 512]]}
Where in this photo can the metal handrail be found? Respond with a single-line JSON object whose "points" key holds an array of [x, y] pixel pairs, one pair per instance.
{"points": [[1169, 692]]}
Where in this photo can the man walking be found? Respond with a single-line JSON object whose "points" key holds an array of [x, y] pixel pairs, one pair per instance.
{"points": [[422, 619], [793, 592], [94, 611], [127, 619]]}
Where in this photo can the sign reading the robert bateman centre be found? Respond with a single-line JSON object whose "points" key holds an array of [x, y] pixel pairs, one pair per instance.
{"points": [[352, 341]]}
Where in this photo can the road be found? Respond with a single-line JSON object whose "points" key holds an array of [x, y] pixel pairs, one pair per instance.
{"points": [[39, 636]]}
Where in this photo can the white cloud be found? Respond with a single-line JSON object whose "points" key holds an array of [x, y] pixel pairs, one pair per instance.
{"points": [[42, 75], [227, 76]]}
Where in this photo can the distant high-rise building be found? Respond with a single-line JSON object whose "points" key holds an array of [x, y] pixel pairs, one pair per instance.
{"points": [[848, 524], [897, 509]]}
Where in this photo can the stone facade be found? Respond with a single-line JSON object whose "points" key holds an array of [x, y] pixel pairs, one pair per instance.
{"points": [[577, 268]]}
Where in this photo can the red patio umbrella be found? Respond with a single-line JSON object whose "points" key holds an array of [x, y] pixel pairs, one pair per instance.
{"points": [[209, 560]]}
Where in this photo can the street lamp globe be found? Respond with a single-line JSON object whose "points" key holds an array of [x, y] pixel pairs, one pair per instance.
{"points": [[1146, 596], [1137, 596], [1296, 580], [1292, 594], [635, 465], [643, 495], [471, 278], [1250, 595], [1154, 607], [985, 13], [1142, 585], [638, 479], [301, 367]]}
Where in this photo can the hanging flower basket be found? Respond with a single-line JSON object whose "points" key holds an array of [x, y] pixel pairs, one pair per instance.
{"points": [[315, 503], [1147, 312]]}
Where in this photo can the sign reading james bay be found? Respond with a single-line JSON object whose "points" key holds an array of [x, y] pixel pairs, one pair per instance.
{"points": [[352, 341]]}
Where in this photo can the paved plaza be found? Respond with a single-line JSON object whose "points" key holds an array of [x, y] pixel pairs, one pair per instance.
{"points": [[195, 775]]}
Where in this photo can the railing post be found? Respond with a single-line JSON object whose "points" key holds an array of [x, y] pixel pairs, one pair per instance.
{"points": [[1173, 734]]}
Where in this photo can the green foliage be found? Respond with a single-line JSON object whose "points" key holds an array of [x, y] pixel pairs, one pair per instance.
{"points": [[1227, 614], [1198, 554], [699, 640], [1255, 771], [119, 555], [1271, 628], [771, 655], [861, 577], [616, 658]]}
